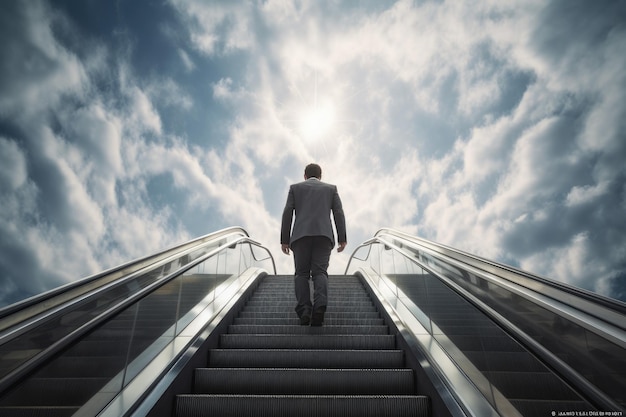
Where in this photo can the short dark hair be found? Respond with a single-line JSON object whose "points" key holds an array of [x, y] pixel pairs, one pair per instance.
{"points": [[313, 170]]}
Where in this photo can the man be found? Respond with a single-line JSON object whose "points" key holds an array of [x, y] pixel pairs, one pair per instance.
{"points": [[312, 240]]}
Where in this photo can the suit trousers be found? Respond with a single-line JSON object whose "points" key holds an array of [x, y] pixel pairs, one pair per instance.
{"points": [[311, 256]]}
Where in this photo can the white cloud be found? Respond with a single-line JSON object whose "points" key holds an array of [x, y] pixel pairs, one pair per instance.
{"points": [[187, 61], [477, 125], [13, 173], [143, 116], [219, 27], [37, 71], [168, 94]]}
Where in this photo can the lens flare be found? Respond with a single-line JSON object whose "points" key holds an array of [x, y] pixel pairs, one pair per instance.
{"points": [[317, 121]]}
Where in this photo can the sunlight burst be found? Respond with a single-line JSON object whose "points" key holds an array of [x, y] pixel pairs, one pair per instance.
{"points": [[317, 120]]}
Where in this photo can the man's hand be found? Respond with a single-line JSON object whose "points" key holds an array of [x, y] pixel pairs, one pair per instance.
{"points": [[342, 246], [285, 248]]}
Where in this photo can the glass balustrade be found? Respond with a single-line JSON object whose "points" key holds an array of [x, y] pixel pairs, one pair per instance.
{"points": [[109, 356], [418, 285], [21, 344]]}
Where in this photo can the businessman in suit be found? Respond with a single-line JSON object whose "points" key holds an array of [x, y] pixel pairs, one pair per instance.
{"points": [[312, 240]]}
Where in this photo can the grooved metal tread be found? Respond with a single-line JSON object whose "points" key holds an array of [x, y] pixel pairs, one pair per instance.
{"points": [[293, 321], [308, 358], [254, 329], [320, 381], [267, 364], [303, 405]]}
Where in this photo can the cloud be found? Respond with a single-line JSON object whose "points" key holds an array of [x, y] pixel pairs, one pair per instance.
{"points": [[217, 28], [12, 165], [36, 70], [510, 147], [493, 127], [68, 193], [187, 61]]}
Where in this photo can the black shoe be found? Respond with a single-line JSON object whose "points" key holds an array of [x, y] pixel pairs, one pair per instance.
{"points": [[318, 319], [305, 320]]}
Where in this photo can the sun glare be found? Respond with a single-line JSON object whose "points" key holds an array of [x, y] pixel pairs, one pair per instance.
{"points": [[317, 121]]}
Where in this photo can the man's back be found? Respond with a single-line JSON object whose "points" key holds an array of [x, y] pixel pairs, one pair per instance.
{"points": [[313, 201]]}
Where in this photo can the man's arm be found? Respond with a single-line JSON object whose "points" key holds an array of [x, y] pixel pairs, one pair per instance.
{"points": [[285, 229], [340, 221]]}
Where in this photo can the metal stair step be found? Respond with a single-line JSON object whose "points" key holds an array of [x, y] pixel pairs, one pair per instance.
{"points": [[335, 304], [303, 405], [292, 298], [278, 309], [303, 381], [321, 341], [282, 329], [308, 358], [371, 314], [294, 321]]}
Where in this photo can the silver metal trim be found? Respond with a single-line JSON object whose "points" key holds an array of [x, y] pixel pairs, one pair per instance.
{"points": [[60, 344], [604, 308], [445, 375], [589, 321], [38, 304], [149, 385]]}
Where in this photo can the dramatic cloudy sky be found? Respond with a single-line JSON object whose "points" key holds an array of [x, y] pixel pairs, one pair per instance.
{"points": [[495, 127]]}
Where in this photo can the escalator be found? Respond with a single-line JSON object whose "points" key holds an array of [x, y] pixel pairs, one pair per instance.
{"points": [[92, 368], [269, 365], [412, 328], [524, 384], [75, 350], [531, 346]]}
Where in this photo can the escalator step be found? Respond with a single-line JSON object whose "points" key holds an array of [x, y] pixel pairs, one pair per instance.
{"points": [[330, 308], [289, 304], [329, 314], [321, 341], [306, 358], [293, 321], [263, 381], [287, 330], [269, 365], [302, 405]]}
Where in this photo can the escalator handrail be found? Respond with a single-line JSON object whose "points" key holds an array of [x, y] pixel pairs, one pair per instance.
{"points": [[592, 321], [38, 305], [607, 309], [140, 263], [22, 321], [577, 380], [42, 357]]}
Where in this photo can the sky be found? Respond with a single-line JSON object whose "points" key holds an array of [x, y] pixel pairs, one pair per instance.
{"points": [[128, 126]]}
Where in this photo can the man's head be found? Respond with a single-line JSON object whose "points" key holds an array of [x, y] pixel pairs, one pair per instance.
{"points": [[313, 170]]}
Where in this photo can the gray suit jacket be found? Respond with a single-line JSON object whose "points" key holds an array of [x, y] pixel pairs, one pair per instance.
{"points": [[312, 201]]}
